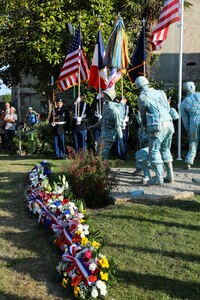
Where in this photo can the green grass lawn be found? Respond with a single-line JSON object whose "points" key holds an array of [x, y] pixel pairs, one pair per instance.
{"points": [[156, 244]]}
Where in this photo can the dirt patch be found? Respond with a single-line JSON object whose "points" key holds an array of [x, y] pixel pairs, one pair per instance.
{"points": [[131, 187]]}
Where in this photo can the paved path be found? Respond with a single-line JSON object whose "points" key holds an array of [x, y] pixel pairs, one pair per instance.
{"points": [[129, 187]]}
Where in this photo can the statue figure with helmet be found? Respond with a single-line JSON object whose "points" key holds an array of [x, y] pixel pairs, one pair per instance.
{"points": [[156, 118], [110, 123], [190, 113]]}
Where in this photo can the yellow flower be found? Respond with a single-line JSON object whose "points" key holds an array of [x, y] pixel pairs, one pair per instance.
{"points": [[104, 263], [104, 276], [78, 232], [76, 290], [64, 282], [84, 241], [96, 244], [82, 221]]}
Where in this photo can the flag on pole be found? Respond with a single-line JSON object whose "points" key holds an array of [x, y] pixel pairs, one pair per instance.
{"points": [[115, 75], [74, 61], [138, 60], [98, 70], [170, 14], [117, 48]]}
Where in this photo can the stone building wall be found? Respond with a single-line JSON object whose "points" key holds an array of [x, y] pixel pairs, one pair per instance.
{"points": [[166, 68]]}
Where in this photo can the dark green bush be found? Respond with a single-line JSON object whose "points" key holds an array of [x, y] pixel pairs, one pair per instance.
{"points": [[42, 142], [89, 178]]}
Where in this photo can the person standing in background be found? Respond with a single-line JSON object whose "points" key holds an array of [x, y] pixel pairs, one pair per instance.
{"points": [[80, 124], [2, 129], [127, 120], [32, 117], [58, 121], [7, 107], [10, 127]]}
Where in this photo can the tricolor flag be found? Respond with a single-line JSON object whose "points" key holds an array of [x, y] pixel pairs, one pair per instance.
{"points": [[74, 63], [170, 14], [115, 75], [98, 70], [138, 59]]}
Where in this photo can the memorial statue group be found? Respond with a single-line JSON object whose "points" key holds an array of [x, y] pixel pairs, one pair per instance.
{"points": [[155, 119]]}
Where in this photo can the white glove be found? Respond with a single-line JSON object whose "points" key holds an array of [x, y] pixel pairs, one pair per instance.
{"points": [[98, 96], [53, 124], [78, 120]]}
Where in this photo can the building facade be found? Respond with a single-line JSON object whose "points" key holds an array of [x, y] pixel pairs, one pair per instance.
{"points": [[166, 67]]}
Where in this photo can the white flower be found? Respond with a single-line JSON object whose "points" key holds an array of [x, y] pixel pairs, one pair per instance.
{"points": [[92, 266], [59, 190], [42, 176], [94, 292], [102, 287], [80, 227]]}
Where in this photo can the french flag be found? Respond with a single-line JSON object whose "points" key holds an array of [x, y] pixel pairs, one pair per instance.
{"points": [[98, 70]]}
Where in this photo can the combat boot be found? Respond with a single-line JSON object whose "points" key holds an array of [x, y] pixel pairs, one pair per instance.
{"points": [[147, 176], [170, 174], [158, 179]]}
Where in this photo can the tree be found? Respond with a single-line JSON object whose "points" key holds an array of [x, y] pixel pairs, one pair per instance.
{"points": [[6, 98], [34, 34]]}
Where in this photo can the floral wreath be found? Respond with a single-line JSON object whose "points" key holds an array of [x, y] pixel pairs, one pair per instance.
{"points": [[83, 267]]}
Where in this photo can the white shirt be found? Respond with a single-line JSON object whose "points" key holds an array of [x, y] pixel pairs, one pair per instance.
{"points": [[11, 126]]}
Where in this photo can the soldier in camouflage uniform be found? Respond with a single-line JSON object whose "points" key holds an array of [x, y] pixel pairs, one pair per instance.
{"points": [[155, 114], [112, 119], [110, 123]]}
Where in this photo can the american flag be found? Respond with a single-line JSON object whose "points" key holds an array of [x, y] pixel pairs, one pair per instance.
{"points": [[170, 14], [75, 60]]}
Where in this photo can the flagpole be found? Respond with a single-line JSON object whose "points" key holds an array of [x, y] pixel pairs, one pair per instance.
{"points": [[122, 87], [79, 70], [180, 80], [99, 80], [143, 27]]}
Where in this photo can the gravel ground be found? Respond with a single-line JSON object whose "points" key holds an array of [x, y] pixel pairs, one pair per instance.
{"points": [[131, 187]]}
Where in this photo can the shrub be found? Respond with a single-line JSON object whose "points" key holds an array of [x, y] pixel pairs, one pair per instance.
{"points": [[90, 178]]}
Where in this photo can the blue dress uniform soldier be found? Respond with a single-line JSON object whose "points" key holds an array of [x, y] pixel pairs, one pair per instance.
{"points": [[112, 119], [95, 117], [155, 113], [58, 121], [190, 113], [127, 120], [80, 124], [98, 116]]}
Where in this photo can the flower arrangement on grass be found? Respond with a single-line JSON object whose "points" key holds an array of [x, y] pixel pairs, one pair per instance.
{"points": [[83, 267]]}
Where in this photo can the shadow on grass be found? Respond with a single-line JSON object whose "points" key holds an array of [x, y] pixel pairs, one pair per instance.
{"points": [[24, 158], [165, 223], [35, 253], [172, 254], [187, 205], [172, 287], [6, 296]]}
